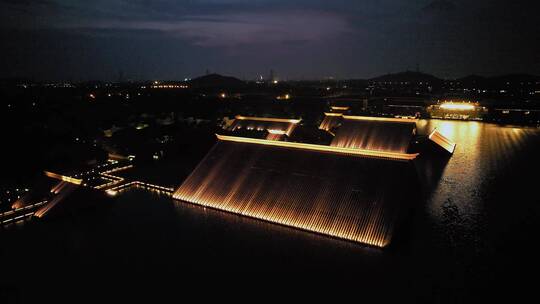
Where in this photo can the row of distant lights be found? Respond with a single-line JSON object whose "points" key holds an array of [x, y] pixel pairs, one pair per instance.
{"points": [[33, 105], [14, 210], [170, 86], [398, 82]]}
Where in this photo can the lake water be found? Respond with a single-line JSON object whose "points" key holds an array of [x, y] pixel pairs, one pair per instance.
{"points": [[474, 227]]}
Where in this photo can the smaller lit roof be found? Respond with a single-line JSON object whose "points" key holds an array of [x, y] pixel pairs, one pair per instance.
{"points": [[442, 141], [276, 127]]}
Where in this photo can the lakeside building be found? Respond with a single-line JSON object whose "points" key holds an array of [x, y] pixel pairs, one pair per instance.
{"points": [[462, 110]]}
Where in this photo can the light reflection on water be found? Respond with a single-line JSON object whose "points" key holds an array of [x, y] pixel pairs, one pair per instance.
{"points": [[482, 150], [479, 215]]}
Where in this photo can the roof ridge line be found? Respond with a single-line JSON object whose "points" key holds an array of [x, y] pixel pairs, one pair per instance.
{"points": [[289, 120], [321, 148]]}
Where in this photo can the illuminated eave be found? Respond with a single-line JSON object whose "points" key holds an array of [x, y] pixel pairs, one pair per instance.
{"points": [[333, 114], [387, 119], [442, 141], [320, 148], [63, 178], [294, 121]]}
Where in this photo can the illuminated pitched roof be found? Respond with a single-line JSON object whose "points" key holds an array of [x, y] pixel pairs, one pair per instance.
{"points": [[375, 133], [274, 126], [333, 192]]}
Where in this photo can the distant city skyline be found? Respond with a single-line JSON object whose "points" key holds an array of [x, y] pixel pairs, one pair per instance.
{"points": [[346, 39]]}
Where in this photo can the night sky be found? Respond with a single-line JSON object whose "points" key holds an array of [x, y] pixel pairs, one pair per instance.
{"points": [[300, 39]]}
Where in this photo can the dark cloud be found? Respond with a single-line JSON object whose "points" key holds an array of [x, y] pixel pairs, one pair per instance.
{"points": [[299, 38], [27, 2]]}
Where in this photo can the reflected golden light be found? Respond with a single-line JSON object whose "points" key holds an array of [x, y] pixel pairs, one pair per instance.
{"points": [[111, 192]]}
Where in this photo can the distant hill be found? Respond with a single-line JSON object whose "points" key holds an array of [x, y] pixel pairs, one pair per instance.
{"points": [[407, 76], [497, 81], [216, 81]]}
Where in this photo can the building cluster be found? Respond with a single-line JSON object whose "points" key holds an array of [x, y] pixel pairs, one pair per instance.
{"points": [[355, 188]]}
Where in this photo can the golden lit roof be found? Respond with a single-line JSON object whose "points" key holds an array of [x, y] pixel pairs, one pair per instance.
{"points": [[321, 148], [284, 126], [335, 194], [377, 134]]}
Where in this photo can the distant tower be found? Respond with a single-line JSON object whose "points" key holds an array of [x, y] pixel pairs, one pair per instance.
{"points": [[417, 68], [271, 76], [207, 72]]}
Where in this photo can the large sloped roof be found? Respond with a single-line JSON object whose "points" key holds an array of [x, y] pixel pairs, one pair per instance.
{"points": [[372, 133], [332, 191]]}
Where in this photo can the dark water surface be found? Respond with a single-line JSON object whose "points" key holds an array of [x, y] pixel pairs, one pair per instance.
{"points": [[474, 229]]}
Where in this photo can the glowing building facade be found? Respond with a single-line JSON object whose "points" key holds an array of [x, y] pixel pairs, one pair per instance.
{"points": [[463, 110]]}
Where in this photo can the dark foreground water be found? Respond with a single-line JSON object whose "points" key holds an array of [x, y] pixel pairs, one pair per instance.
{"points": [[473, 234]]}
